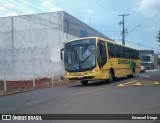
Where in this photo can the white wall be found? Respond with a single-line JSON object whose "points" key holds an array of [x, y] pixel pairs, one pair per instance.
{"points": [[27, 47], [30, 45]]}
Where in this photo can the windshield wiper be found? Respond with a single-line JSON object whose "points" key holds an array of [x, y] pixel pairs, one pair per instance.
{"points": [[87, 57]]}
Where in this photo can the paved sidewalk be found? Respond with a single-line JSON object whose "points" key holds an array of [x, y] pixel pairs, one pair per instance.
{"points": [[152, 70]]}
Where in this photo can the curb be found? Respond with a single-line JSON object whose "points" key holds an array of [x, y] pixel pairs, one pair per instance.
{"points": [[31, 89], [152, 70]]}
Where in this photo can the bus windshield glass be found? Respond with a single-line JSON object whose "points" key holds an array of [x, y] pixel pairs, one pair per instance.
{"points": [[80, 55]]}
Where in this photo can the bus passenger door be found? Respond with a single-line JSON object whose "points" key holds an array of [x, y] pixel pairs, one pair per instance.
{"points": [[102, 58]]}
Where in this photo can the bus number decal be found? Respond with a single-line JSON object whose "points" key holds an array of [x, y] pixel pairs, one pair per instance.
{"points": [[123, 61]]}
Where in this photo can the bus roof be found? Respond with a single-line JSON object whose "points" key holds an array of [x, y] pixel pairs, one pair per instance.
{"points": [[110, 41]]}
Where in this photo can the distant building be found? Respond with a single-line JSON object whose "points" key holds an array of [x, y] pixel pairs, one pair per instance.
{"points": [[30, 44], [149, 59], [156, 61]]}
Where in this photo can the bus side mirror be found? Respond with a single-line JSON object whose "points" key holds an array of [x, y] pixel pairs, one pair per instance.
{"points": [[61, 53]]}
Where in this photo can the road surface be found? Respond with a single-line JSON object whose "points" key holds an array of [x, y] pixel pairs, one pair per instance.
{"points": [[139, 95]]}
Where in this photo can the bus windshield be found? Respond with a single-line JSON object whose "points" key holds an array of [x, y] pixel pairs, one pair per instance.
{"points": [[80, 55]]}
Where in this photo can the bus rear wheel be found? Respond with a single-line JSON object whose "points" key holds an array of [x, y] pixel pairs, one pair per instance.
{"points": [[84, 82], [133, 73]]}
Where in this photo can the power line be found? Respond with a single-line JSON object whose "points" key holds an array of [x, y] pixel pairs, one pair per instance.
{"points": [[86, 26], [108, 3], [58, 3], [110, 31], [4, 11], [104, 6], [132, 30], [29, 18], [28, 5], [140, 44], [90, 28], [143, 45], [33, 20], [61, 5], [37, 10]]}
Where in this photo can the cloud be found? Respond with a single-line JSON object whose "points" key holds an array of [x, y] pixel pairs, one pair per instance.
{"points": [[12, 14], [50, 6], [151, 29], [18, 8], [150, 8], [6, 8], [9, 5], [90, 11]]}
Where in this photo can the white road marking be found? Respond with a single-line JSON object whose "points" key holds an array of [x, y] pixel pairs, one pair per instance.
{"points": [[82, 92], [130, 82], [33, 102], [138, 83], [144, 76], [87, 91]]}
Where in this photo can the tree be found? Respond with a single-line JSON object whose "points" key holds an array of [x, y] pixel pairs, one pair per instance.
{"points": [[158, 36]]}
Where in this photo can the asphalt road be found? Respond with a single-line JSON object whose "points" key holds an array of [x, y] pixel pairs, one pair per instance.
{"points": [[139, 95]]}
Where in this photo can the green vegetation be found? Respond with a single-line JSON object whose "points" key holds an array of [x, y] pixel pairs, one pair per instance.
{"points": [[158, 39], [158, 61], [132, 64], [158, 36]]}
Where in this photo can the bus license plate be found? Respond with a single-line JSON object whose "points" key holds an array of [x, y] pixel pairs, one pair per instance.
{"points": [[79, 76]]}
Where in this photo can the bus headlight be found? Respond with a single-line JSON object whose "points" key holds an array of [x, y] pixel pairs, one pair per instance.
{"points": [[67, 73], [92, 71]]}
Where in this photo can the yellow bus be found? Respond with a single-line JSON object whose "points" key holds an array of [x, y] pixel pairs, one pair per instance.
{"points": [[95, 58]]}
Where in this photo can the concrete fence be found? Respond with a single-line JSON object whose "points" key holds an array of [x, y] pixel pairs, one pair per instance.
{"points": [[28, 64]]}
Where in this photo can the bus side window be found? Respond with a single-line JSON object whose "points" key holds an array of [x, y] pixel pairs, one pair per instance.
{"points": [[117, 51], [102, 57], [138, 55], [132, 54], [122, 51], [111, 51], [125, 52]]}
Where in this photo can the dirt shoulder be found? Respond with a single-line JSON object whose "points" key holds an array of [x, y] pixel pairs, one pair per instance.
{"points": [[13, 87]]}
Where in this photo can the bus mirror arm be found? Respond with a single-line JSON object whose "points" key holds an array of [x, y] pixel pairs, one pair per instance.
{"points": [[61, 53]]}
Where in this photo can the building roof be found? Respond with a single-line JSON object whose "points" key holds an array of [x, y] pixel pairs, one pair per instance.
{"points": [[71, 24]]}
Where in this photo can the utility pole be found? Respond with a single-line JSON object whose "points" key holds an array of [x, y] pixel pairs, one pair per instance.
{"points": [[123, 30]]}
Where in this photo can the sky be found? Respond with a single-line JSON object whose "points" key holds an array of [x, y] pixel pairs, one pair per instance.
{"points": [[101, 15]]}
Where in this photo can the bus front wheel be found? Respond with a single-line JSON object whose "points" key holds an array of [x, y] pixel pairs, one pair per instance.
{"points": [[84, 82], [111, 77]]}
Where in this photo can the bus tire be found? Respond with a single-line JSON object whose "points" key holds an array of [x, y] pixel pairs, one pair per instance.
{"points": [[84, 82], [111, 76], [133, 73]]}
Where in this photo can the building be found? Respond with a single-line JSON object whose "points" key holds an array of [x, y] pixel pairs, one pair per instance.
{"points": [[155, 61], [30, 44], [149, 59]]}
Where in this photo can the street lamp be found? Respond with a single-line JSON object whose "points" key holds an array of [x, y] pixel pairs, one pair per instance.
{"points": [[132, 30]]}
